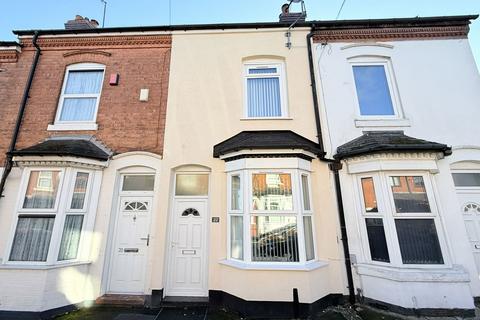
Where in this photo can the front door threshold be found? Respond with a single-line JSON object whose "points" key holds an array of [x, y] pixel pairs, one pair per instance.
{"points": [[121, 300], [185, 301]]}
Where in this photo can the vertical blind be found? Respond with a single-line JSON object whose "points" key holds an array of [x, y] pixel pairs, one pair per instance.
{"points": [[32, 238], [274, 238], [87, 83], [71, 237], [377, 240], [418, 241], [264, 97], [308, 231], [235, 204]]}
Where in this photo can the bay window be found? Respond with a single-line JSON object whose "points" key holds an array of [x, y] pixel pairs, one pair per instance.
{"points": [[270, 216], [401, 228], [51, 215]]}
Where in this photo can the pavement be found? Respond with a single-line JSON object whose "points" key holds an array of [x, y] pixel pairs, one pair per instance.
{"points": [[203, 313]]}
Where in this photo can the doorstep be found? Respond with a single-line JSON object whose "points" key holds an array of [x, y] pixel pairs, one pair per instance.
{"points": [[121, 300]]}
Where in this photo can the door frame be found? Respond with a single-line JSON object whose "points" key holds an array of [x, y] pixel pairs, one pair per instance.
{"points": [[111, 238], [171, 220]]}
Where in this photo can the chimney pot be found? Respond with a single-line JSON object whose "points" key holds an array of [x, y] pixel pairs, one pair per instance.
{"points": [[81, 23]]}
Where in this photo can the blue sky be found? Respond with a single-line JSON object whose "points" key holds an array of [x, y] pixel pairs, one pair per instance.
{"points": [[47, 14]]}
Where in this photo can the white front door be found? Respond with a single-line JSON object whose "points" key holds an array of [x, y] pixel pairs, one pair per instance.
{"points": [[187, 269], [130, 245], [470, 210]]}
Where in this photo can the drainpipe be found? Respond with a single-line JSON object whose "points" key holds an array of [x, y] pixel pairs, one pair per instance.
{"points": [[334, 166], [21, 111]]}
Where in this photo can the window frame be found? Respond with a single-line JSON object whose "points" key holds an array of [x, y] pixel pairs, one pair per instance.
{"points": [[281, 74], [389, 75], [387, 211], [246, 176], [62, 209], [63, 95]]}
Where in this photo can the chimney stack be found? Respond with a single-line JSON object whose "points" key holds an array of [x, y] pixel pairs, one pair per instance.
{"points": [[290, 17], [81, 23]]}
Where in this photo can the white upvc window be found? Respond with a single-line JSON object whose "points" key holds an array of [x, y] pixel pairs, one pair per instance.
{"points": [[399, 219], [51, 216], [270, 217], [375, 90], [265, 90], [80, 97]]}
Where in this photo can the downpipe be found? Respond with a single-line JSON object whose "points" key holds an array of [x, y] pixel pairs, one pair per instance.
{"points": [[9, 158], [335, 166]]}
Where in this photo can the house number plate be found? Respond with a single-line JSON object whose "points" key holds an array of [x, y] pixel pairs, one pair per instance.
{"points": [[215, 219]]}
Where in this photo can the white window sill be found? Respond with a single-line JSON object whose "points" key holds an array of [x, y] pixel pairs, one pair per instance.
{"points": [[360, 123], [72, 126], [427, 273], [266, 118], [309, 266], [20, 266]]}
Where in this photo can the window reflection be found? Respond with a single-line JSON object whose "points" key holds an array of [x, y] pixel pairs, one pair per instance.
{"points": [[409, 194], [369, 197], [272, 191]]}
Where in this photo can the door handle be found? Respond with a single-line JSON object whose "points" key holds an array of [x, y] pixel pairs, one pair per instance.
{"points": [[477, 246], [173, 243], [147, 238]]}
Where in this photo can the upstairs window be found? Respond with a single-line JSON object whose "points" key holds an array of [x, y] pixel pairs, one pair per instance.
{"points": [[265, 91], [373, 91], [80, 94]]}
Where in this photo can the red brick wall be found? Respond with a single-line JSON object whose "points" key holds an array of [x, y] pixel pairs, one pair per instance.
{"points": [[13, 76], [124, 123]]}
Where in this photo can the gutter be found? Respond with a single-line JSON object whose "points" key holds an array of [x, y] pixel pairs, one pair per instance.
{"points": [[335, 166], [326, 24], [9, 157]]}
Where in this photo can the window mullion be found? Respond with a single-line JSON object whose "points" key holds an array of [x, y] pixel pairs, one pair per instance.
{"points": [[64, 191]]}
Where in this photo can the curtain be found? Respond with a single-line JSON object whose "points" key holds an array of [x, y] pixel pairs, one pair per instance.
{"points": [[83, 82], [306, 194], [307, 226], [236, 237], [32, 239], [79, 190], [41, 191], [264, 97], [78, 109], [71, 237], [81, 108], [235, 201]]}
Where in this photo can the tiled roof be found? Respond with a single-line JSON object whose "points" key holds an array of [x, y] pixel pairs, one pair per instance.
{"points": [[384, 141], [65, 147], [276, 139]]}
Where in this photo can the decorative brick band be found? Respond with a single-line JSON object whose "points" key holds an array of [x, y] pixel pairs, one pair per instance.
{"points": [[8, 56], [85, 51], [391, 33], [143, 41]]}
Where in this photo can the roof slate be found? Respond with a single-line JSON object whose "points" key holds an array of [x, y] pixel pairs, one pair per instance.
{"points": [[65, 147], [383, 141], [273, 139]]}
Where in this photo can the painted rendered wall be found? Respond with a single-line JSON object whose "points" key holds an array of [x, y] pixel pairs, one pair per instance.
{"points": [[439, 89], [205, 107]]}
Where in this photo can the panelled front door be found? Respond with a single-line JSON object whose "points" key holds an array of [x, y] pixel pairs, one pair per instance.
{"points": [[187, 274], [470, 209], [131, 242]]}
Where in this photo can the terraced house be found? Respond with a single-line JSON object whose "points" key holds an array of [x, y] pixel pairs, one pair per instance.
{"points": [[271, 168]]}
